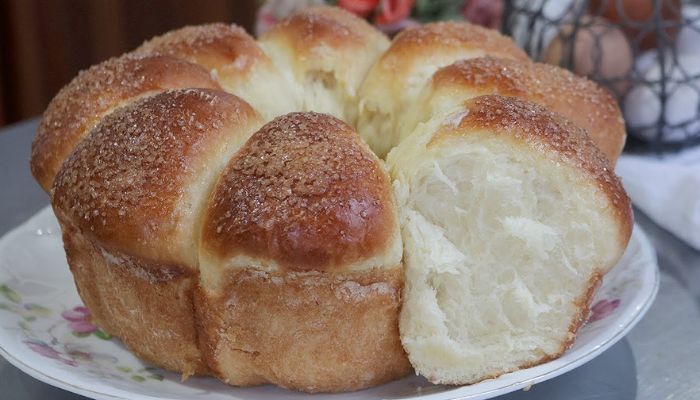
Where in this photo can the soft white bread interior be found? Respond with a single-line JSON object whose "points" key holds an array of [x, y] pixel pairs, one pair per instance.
{"points": [[326, 52], [576, 98], [415, 54], [235, 60], [510, 217], [300, 262]]}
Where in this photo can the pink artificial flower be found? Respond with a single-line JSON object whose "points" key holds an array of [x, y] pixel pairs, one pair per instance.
{"points": [[392, 11], [79, 320], [265, 22], [275, 10], [602, 309], [488, 13], [363, 8], [391, 29]]}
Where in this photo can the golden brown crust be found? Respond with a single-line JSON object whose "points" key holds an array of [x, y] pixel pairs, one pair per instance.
{"points": [[149, 307], [305, 193], [576, 98], [97, 91], [127, 184], [547, 133], [312, 331], [213, 46], [329, 27], [304, 196], [421, 40]]}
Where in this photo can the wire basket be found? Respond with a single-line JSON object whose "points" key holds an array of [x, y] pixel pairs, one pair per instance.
{"points": [[646, 52]]}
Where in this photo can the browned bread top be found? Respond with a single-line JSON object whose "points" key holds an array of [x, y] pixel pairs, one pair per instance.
{"points": [[331, 27], [136, 184], [303, 194], [97, 91], [422, 40], [211, 46], [545, 132], [576, 98]]}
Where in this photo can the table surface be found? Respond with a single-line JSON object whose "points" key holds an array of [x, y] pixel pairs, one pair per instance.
{"points": [[659, 358]]}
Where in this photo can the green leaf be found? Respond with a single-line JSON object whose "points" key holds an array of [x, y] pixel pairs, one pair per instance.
{"points": [[29, 318], [40, 311], [156, 377], [80, 334], [102, 335], [124, 369], [10, 294], [9, 307], [23, 325], [138, 378]]}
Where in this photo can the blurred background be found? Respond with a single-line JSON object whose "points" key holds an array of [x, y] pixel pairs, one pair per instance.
{"points": [[44, 43]]}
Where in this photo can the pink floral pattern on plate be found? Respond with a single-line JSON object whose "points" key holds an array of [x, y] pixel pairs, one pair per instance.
{"points": [[602, 309], [77, 321], [47, 332]]}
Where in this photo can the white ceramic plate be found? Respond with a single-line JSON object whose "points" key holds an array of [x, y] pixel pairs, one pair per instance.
{"points": [[45, 332]]}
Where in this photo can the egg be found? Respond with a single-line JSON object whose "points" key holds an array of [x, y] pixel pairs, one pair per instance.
{"points": [[688, 39], [534, 34], [600, 51], [636, 18], [679, 115]]}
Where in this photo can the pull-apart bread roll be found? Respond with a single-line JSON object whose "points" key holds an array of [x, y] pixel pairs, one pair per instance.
{"points": [[327, 52], [301, 271], [401, 72], [130, 200], [96, 92], [510, 217], [235, 61], [579, 100], [217, 224]]}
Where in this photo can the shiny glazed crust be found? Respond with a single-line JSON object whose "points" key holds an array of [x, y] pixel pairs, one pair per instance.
{"points": [[303, 194], [134, 184], [96, 92]]}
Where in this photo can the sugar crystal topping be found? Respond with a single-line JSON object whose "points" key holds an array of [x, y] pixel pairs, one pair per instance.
{"points": [[132, 170], [305, 191]]}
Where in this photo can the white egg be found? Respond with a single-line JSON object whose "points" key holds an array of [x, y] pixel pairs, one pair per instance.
{"points": [[535, 35], [688, 40], [642, 105], [642, 109]]}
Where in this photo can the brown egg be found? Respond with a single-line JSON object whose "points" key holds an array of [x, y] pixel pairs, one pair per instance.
{"points": [[636, 18], [600, 51]]}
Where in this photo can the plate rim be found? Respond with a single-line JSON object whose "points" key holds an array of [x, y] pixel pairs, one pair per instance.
{"points": [[646, 248]]}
